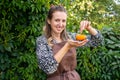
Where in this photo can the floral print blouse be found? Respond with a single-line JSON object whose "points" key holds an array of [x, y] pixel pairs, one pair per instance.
{"points": [[44, 53]]}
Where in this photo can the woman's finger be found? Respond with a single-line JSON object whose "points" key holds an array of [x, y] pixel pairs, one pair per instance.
{"points": [[82, 24], [82, 42]]}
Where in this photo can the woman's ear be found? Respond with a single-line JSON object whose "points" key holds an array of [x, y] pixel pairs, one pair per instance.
{"points": [[48, 21]]}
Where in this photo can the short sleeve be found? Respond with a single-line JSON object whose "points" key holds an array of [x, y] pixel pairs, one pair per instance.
{"points": [[46, 61]]}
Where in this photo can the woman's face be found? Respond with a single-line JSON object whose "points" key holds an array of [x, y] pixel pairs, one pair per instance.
{"points": [[58, 22]]}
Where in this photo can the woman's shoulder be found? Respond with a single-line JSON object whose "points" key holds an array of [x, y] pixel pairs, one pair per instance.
{"points": [[41, 39]]}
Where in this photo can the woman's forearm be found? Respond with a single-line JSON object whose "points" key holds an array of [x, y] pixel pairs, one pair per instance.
{"points": [[60, 54], [92, 31]]}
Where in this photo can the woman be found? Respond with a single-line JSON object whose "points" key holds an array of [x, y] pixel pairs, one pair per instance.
{"points": [[55, 49]]}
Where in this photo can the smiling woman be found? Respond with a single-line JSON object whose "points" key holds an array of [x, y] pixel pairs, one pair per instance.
{"points": [[58, 22], [56, 48]]}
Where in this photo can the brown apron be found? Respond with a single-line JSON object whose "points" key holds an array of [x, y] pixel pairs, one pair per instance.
{"points": [[66, 68]]}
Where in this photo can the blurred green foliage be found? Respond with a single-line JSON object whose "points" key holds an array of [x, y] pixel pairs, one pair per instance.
{"points": [[102, 62], [21, 21]]}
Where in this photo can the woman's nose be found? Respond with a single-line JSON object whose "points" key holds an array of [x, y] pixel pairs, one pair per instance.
{"points": [[60, 24]]}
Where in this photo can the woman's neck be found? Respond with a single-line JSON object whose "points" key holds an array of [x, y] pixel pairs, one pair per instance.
{"points": [[56, 37]]}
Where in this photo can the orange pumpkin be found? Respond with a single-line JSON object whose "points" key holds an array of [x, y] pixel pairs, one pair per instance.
{"points": [[80, 37]]}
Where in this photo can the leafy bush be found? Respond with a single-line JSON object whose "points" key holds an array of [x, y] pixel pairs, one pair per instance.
{"points": [[20, 24], [103, 62]]}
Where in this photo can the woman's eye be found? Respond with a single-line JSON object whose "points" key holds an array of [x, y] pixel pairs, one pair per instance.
{"points": [[57, 20], [64, 20]]}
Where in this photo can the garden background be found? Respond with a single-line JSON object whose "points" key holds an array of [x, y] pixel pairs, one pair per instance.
{"points": [[21, 21]]}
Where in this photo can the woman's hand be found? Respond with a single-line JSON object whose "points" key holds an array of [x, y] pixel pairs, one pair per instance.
{"points": [[86, 25], [73, 43]]}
